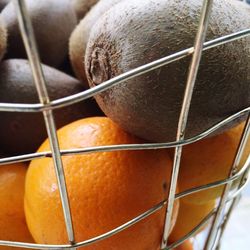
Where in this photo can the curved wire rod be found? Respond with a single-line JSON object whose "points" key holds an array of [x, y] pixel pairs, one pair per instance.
{"points": [[184, 113], [28, 37], [204, 220], [112, 232], [192, 232], [216, 183], [62, 102], [213, 233], [111, 148], [89, 241], [240, 189], [191, 190], [226, 220]]}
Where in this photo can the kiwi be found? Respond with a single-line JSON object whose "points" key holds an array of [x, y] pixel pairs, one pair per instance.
{"points": [[133, 33], [3, 39], [79, 38], [82, 7], [24, 132], [53, 21]]}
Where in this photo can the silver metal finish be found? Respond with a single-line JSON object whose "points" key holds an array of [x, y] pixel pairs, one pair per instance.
{"points": [[33, 56], [143, 146], [226, 219], [62, 102], [214, 229], [46, 107], [112, 232], [193, 70], [92, 240], [246, 167], [243, 170], [203, 222]]}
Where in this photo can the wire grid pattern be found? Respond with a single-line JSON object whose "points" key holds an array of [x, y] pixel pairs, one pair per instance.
{"points": [[219, 216]]}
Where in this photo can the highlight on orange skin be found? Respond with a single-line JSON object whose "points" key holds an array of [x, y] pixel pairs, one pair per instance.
{"points": [[106, 189]]}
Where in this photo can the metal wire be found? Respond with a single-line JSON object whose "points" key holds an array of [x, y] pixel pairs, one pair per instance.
{"points": [[46, 106], [34, 60], [120, 147], [190, 191], [214, 229], [62, 102], [226, 220], [194, 231], [246, 167], [193, 70], [115, 231]]}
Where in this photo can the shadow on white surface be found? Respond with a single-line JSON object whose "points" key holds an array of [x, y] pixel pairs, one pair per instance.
{"points": [[237, 235]]}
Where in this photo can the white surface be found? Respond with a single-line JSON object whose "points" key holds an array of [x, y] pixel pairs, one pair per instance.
{"points": [[237, 235]]}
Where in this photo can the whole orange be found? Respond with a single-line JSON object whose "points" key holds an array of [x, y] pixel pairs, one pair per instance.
{"points": [[12, 219], [105, 189]]}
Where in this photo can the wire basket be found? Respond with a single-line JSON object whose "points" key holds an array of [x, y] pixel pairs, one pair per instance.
{"points": [[218, 217]]}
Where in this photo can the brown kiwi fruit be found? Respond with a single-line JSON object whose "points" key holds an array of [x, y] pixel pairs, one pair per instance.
{"points": [[82, 7], [3, 39], [53, 21], [79, 38], [133, 33], [24, 132]]}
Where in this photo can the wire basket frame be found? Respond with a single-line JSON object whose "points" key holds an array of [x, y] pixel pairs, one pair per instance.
{"points": [[46, 107]]}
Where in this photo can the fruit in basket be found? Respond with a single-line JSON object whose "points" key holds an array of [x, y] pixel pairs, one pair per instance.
{"points": [[189, 216], [210, 160], [82, 7], [133, 33], [53, 21], [12, 223], [105, 189], [79, 38], [24, 132], [3, 38]]}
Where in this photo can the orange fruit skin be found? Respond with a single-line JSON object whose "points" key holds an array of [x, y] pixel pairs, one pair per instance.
{"points": [[186, 245], [12, 219], [189, 216], [105, 189], [209, 160]]}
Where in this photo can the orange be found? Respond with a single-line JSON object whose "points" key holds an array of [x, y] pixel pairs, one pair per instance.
{"points": [[186, 245], [12, 219], [209, 160], [105, 189], [189, 216]]}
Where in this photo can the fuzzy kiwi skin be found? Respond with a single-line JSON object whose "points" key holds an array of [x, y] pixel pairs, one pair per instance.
{"points": [[53, 22], [82, 7], [79, 38], [137, 32], [24, 132], [3, 39]]}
